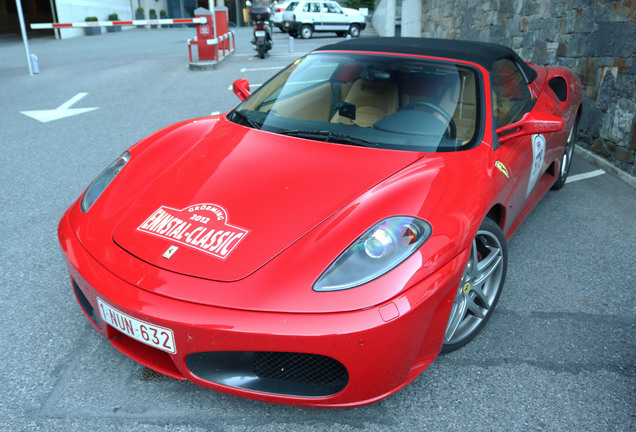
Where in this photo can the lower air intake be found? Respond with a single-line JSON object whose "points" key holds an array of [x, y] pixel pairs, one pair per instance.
{"points": [[291, 374]]}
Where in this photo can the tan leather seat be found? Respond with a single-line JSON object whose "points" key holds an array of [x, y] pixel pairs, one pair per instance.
{"points": [[466, 113], [373, 101]]}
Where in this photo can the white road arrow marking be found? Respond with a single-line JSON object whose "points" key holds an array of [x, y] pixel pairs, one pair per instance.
{"points": [[62, 111], [261, 69]]}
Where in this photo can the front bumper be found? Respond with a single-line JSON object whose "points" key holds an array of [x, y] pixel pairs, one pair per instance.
{"points": [[291, 25], [336, 359]]}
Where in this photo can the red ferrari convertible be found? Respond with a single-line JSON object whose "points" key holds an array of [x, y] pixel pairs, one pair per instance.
{"points": [[323, 242]]}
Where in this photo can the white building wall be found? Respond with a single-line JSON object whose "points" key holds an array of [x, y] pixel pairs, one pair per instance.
{"points": [[78, 10], [384, 18], [146, 5], [411, 19]]}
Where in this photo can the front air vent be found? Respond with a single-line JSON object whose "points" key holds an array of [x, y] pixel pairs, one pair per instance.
{"points": [[560, 88]]}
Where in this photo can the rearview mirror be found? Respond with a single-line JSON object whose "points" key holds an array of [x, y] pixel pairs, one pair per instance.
{"points": [[241, 88], [531, 123]]}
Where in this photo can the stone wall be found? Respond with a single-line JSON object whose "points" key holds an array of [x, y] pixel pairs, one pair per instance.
{"points": [[595, 38]]}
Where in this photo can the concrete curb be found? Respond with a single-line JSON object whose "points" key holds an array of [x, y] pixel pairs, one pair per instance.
{"points": [[605, 165], [203, 65]]}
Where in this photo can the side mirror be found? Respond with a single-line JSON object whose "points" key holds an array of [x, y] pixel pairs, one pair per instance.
{"points": [[241, 89], [531, 123]]}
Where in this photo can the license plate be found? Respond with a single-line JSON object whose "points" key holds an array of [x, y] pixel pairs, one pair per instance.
{"points": [[159, 337], [259, 33]]}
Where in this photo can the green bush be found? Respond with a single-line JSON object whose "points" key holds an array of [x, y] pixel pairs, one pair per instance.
{"points": [[357, 4], [113, 17], [140, 10], [91, 19]]}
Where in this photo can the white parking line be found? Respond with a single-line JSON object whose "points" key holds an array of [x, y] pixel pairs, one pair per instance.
{"points": [[584, 176], [254, 57], [252, 86], [260, 69]]}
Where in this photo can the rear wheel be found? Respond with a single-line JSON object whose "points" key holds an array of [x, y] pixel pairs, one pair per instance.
{"points": [[354, 30], [306, 31], [261, 51], [566, 160], [480, 286]]}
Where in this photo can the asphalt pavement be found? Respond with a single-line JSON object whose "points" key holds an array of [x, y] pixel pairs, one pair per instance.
{"points": [[559, 353]]}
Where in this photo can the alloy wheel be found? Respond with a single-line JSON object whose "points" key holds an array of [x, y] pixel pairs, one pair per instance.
{"points": [[479, 288]]}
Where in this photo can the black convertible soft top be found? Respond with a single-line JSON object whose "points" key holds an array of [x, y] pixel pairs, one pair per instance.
{"points": [[482, 53]]}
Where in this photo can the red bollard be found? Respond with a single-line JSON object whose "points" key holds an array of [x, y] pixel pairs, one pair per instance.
{"points": [[205, 32], [221, 16]]}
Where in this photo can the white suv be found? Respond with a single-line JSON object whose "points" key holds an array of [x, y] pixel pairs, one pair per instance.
{"points": [[306, 17], [277, 14]]}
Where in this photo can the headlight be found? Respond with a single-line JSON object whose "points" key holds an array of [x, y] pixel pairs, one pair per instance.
{"points": [[102, 181], [377, 251]]}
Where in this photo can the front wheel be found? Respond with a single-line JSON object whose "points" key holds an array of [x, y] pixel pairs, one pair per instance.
{"points": [[480, 286], [354, 30], [566, 160], [306, 31]]}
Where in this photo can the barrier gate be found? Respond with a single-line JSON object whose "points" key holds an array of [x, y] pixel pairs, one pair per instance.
{"points": [[208, 44]]}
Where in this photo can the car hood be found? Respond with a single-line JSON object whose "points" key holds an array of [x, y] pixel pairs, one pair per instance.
{"points": [[349, 11], [241, 196]]}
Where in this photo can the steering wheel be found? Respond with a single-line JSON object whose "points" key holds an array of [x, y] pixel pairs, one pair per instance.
{"points": [[451, 130]]}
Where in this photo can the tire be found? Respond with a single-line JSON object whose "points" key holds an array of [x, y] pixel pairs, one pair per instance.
{"points": [[293, 33], [354, 30], [306, 31], [261, 51], [566, 159], [480, 286]]}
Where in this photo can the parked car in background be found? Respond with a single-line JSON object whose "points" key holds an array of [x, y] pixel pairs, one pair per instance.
{"points": [[277, 14], [303, 18]]}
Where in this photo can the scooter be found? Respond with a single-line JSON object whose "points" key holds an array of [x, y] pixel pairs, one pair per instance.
{"points": [[262, 40]]}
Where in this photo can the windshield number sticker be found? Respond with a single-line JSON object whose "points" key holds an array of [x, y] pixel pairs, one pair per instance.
{"points": [[538, 155]]}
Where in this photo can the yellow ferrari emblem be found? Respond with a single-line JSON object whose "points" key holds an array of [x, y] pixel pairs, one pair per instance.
{"points": [[466, 288], [502, 168]]}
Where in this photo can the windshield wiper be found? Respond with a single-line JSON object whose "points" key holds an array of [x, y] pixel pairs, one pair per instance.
{"points": [[251, 122], [329, 136]]}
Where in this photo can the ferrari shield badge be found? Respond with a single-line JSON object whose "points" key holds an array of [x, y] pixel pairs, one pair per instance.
{"points": [[502, 168], [203, 227], [171, 250]]}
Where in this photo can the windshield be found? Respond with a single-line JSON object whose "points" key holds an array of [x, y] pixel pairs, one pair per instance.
{"points": [[390, 102]]}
